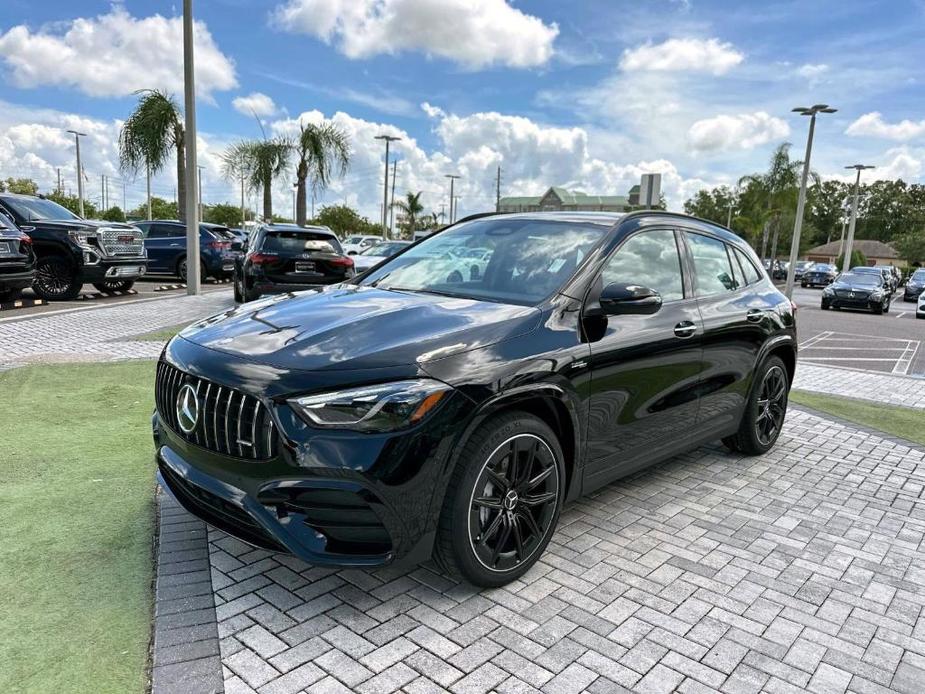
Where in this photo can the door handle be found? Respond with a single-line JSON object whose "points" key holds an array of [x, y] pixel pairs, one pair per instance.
{"points": [[26, 228], [685, 329], [754, 315], [173, 245]]}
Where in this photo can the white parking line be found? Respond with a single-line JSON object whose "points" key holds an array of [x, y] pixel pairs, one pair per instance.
{"points": [[905, 361], [816, 338], [847, 359], [864, 349], [900, 315]]}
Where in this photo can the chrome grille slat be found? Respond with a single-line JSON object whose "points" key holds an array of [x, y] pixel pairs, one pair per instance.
{"points": [[111, 245], [214, 431]]}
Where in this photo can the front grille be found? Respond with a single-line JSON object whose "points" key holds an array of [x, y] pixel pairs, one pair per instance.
{"points": [[121, 242], [847, 294], [229, 421]]}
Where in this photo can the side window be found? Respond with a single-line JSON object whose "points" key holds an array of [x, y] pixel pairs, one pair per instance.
{"points": [[649, 259], [752, 274], [712, 270]]}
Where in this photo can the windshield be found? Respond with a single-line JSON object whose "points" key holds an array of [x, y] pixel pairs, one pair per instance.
{"points": [[299, 242], [383, 249], [863, 279], [918, 276], [822, 268], [36, 209], [527, 260]]}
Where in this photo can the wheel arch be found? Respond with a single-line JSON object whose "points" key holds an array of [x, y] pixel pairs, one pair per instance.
{"points": [[785, 348]]}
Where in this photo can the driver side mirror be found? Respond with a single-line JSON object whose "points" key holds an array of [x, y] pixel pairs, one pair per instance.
{"points": [[629, 299]]}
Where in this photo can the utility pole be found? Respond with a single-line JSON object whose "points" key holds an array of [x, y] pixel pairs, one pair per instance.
{"points": [[452, 178], [854, 216], [243, 212], [442, 212], [123, 197], [392, 204], [385, 188], [199, 169], [58, 188], [192, 163], [313, 203], [801, 202], [80, 183], [498, 191], [729, 217], [456, 206]]}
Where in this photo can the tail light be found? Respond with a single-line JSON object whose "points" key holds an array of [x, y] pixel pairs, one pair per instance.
{"points": [[25, 238], [262, 258], [219, 245], [344, 260]]}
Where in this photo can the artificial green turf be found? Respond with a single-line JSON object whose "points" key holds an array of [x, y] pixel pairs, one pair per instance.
{"points": [[904, 422], [76, 527], [161, 335]]}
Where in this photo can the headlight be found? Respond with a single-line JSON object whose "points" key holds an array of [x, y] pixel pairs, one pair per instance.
{"points": [[385, 407], [828, 291], [82, 236], [875, 295]]}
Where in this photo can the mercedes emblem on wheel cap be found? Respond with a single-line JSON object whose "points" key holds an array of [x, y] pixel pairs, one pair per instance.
{"points": [[187, 409]]}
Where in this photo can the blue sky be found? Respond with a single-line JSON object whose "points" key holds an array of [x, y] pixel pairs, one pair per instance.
{"points": [[584, 94]]}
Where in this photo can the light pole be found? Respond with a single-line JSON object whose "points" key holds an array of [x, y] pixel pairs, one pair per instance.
{"points": [[801, 202], [192, 189], [452, 178], [80, 181], [854, 215], [199, 168], [385, 188]]}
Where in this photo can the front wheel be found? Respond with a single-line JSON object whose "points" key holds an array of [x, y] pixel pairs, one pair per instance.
{"points": [[765, 410], [181, 270], [114, 286], [238, 294], [55, 279], [503, 501]]}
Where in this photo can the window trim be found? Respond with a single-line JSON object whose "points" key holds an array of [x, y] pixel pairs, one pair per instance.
{"points": [[686, 287], [693, 266]]}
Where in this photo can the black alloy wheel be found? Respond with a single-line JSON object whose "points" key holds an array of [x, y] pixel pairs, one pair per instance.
{"points": [[114, 285], [502, 502], [55, 279], [181, 270], [513, 502], [765, 410], [772, 405]]}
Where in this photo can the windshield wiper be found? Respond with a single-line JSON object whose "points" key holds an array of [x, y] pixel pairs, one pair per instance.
{"points": [[421, 290]]}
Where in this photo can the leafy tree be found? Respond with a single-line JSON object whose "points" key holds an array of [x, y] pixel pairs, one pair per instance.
{"points": [[911, 246], [258, 162], [225, 214], [113, 214], [344, 220], [322, 152], [410, 209], [713, 205], [857, 259], [160, 209], [825, 205], [20, 186], [72, 203], [152, 132]]}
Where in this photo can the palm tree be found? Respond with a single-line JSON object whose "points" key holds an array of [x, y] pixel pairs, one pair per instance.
{"points": [[258, 162], [151, 133], [410, 208], [323, 151]]}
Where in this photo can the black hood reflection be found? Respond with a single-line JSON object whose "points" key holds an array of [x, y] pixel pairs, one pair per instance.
{"points": [[350, 327]]}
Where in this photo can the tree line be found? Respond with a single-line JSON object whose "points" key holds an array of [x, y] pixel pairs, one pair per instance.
{"points": [[762, 209]]}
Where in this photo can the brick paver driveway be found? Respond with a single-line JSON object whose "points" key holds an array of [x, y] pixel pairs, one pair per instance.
{"points": [[799, 570]]}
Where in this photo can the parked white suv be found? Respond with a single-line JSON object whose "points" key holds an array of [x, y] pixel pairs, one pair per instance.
{"points": [[359, 242]]}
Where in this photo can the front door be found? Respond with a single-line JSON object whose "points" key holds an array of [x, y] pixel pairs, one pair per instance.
{"points": [[644, 368]]}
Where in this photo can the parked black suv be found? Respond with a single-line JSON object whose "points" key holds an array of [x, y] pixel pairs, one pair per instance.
{"points": [[71, 251], [856, 289], [416, 409], [17, 260], [286, 258]]}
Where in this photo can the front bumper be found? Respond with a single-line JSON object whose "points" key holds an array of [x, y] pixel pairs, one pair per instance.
{"points": [[911, 295], [860, 303], [332, 498], [115, 269]]}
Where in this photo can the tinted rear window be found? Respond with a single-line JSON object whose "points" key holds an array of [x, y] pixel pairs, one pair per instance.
{"points": [[299, 242]]}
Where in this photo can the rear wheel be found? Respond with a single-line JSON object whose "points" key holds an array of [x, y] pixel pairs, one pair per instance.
{"points": [[238, 294], [503, 501], [114, 285], [55, 279], [765, 410], [181, 270]]}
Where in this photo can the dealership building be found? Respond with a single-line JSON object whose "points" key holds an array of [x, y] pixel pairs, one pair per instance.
{"points": [[564, 200]]}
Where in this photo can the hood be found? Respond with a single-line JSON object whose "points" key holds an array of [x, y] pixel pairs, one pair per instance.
{"points": [[350, 327], [68, 224]]}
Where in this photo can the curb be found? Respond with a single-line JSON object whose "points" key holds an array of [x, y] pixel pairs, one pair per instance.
{"points": [[22, 303], [885, 435], [185, 655], [93, 296]]}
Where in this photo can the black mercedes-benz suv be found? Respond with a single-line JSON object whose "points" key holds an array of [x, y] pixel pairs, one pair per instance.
{"points": [[860, 290], [416, 410], [71, 251], [287, 258], [17, 260]]}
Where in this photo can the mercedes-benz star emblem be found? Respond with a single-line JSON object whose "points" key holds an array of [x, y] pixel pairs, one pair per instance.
{"points": [[187, 409]]}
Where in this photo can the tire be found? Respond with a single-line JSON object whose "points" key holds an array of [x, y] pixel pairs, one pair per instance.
{"points": [[55, 279], [757, 433], [886, 308], [181, 270], [9, 295], [825, 306], [114, 285], [517, 530], [238, 296], [878, 310]]}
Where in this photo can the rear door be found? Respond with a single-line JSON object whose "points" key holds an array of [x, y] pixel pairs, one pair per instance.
{"points": [[164, 243], [735, 309], [645, 368]]}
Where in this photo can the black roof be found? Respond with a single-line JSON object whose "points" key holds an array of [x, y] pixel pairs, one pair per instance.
{"points": [[295, 227]]}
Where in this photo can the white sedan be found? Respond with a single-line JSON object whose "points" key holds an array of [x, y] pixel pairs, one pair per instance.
{"points": [[920, 307], [357, 243], [376, 254]]}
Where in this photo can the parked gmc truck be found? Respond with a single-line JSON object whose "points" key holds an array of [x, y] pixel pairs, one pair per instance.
{"points": [[71, 251]]}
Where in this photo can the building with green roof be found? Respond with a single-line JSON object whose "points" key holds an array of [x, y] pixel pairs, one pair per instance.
{"points": [[558, 198]]}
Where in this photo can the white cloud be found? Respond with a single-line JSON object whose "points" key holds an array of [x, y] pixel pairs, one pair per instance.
{"points": [[873, 125], [683, 55], [432, 111], [254, 104], [742, 131], [113, 55], [474, 33], [812, 71]]}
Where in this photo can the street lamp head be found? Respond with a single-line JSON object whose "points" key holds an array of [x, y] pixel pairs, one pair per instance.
{"points": [[813, 110], [451, 175], [828, 110], [860, 167], [78, 134], [387, 138]]}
